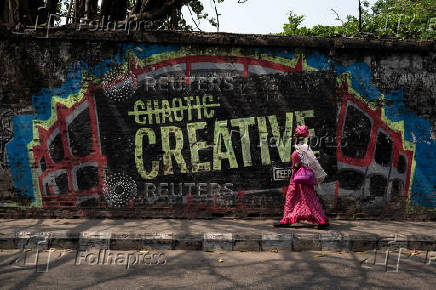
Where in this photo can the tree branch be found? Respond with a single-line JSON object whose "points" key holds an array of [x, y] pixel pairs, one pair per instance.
{"points": [[217, 18], [192, 17], [155, 9], [69, 11], [337, 16]]}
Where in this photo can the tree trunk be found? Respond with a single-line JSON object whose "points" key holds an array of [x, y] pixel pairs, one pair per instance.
{"points": [[13, 15], [18, 12], [84, 9], [106, 6], [159, 9], [137, 8], [52, 6], [34, 7], [76, 11], [114, 10], [121, 10], [145, 5], [175, 17], [52, 9], [91, 9], [70, 8], [4, 5], [26, 12]]}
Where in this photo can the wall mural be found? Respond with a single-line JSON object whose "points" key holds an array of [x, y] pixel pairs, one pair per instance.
{"points": [[183, 126]]}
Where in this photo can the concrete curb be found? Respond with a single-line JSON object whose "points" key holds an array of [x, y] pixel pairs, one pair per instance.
{"points": [[328, 241]]}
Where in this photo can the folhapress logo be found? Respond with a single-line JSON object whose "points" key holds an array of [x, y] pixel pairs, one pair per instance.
{"points": [[43, 260], [108, 257]]}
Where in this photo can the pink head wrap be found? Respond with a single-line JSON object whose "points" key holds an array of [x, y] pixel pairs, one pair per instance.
{"points": [[302, 131]]}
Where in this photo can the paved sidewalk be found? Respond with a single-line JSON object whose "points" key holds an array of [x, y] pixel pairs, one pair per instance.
{"points": [[214, 234]]}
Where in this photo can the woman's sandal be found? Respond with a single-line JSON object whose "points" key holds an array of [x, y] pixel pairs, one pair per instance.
{"points": [[324, 226], [280, 225]]}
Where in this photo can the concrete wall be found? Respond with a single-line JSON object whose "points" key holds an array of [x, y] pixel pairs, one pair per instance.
{"points": [[199, 125]]}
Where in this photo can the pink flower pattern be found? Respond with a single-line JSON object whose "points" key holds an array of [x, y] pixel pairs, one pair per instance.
{"points": [[301, 202]]}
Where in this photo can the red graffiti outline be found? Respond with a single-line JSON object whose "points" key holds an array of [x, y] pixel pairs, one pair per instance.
{"points": [[70, 161], [378, 123]]}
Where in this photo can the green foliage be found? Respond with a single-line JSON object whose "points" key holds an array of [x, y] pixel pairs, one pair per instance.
{"points": [[403, 19], [130, 5], [195, 7], [197, 13]]}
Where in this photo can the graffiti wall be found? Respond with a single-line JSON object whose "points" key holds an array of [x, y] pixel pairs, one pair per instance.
{"points": [[201, 130]]}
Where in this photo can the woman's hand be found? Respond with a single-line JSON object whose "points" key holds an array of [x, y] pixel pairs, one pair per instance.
{"points": [[296, 167]]}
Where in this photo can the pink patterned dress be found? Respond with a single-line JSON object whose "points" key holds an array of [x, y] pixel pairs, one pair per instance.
{"points": [[301, 201]]}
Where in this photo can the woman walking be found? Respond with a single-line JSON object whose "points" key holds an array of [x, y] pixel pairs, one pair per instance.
{"points": [[301, 201]]}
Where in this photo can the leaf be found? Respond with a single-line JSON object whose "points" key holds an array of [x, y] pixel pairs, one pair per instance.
{"points": [[220, 260], [364, 261], [51, 250], [28, 250], [319, 256], [243, 250], [415, 253], [405, 19], [274, 250], [410, 252], [361, 253], [144, 251]]}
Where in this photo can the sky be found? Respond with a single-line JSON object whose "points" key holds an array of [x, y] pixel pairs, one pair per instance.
{"points": [[268, 16]]}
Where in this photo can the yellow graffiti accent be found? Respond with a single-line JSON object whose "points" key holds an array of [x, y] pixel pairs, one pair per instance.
{"points": [[407, 145], [176, 151], [208, 114], [164, 113], [243, 124], [373, 104], [397, 126], [179, 105], [139, 156], [187, 51], [67, 102], [263, 139], [222, 135], [301, 115], [137, 107], [189, 106], [196, 146], [284, 145]]}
